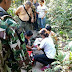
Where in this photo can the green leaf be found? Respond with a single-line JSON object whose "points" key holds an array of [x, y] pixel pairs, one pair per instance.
{"points": [[60, 56], [66, 47], [71, 48], [48, 70], [70, 56], [55, 63], [22, 37], [57, 68], [66, 62]]}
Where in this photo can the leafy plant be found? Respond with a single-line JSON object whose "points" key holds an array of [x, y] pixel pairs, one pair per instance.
{"points": [[60, 57]]}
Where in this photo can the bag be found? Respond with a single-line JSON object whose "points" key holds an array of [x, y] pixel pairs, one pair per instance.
{"points": [[29, 20], [28, 15]]}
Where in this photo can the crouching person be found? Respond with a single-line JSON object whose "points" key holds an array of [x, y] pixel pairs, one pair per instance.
{"points": [[49, 50], [28, 35]]}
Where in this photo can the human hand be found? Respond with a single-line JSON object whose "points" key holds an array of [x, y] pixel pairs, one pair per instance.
{"points": [[42, 17], [32, 46], [36, 46], [32, 20], [37, 12]]}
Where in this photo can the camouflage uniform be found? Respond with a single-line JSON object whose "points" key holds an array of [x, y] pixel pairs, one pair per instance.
{"points": [[13, 52]]}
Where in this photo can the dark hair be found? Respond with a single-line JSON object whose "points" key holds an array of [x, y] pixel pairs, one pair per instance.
{"points": [[44, 33], [48, 28], [28, 3], [42, 1], [1, 1], [29, 33]]}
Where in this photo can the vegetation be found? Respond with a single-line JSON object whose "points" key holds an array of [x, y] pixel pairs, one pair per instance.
{"points": [[59, 16]]}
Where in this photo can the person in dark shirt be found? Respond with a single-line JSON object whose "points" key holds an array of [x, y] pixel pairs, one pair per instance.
{"points": [[28, 35], [35, 3]]}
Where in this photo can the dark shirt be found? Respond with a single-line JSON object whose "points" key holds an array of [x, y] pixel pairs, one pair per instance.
{"points": [[26, 41], [36, 4]]}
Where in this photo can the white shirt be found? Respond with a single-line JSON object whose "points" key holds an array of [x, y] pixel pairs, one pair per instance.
{"points": [[41, 10], [49, 47]]}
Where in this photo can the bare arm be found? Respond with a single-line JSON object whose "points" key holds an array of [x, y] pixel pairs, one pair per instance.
{"points": [[42, 30], [38, 47], [18, 10], [28, 47], [54, 36], [35, 16], [31, 13]]}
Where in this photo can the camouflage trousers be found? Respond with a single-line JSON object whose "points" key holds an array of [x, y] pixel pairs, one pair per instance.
{"points": [[14, 66], [4, 67], [26, 25]]}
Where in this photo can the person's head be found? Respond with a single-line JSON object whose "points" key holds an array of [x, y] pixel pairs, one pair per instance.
{"points": [[41, 2], [28, 34], [34, 1], [5, 4], [27, 4], [48, 28], [31, 0], [44, 34]]}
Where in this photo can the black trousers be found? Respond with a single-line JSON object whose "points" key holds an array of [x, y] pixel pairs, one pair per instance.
{"points": [[42, 58]]}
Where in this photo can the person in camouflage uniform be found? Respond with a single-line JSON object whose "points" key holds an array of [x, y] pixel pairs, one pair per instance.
{"points": [[13, 52]]}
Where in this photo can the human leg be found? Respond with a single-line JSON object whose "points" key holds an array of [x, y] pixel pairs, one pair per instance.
{"points": [[43, 23], [36, 25], [39, 22], [41, 58], [27, 26]]}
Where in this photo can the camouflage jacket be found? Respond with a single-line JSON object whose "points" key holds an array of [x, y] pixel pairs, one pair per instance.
{"points": [[14, 50]]}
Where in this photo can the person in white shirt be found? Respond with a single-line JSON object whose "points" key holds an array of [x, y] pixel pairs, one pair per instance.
{"points": [[49, 50], [41, 10], [51, 33]]}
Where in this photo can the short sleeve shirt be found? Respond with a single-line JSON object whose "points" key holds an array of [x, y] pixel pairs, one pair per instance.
{"points": [[41, 10], [49, 47]]}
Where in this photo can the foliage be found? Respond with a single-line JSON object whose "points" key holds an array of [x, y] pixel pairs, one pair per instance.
{"points": [[59, 14], [60, 65], [15, 4], [70, 57], [60, 56], [68, 46]]}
